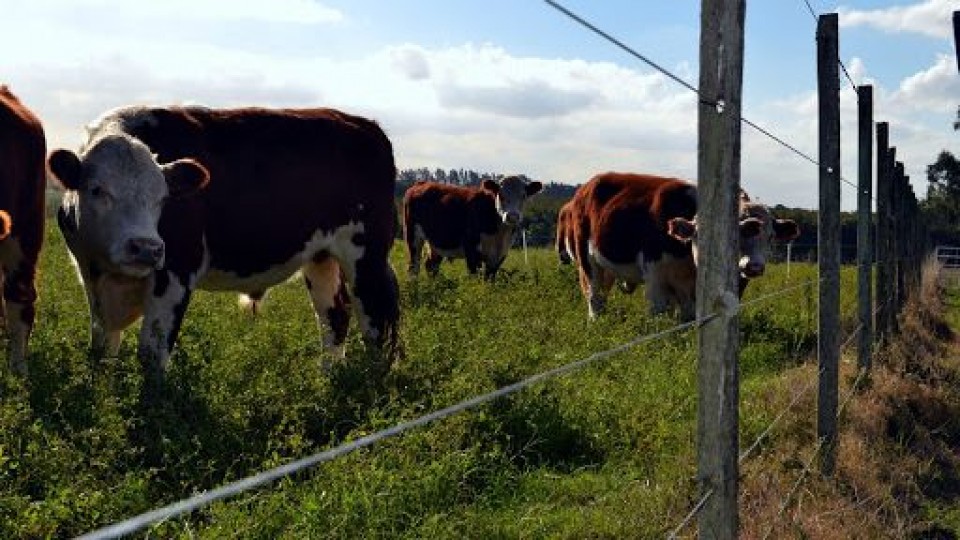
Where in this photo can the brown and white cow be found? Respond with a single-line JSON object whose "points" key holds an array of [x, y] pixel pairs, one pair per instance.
{"points": [[475, 223], [164, 201], [22, 182], [637, 228]]}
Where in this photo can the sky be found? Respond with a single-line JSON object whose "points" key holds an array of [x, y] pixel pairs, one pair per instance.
{"points": [[510, 86]]}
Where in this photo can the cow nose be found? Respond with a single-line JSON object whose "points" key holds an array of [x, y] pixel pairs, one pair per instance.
{"points": [[512, 218], [147, 251]]}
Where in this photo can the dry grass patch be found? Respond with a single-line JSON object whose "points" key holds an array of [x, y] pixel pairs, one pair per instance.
{"points": [[898, 457]]}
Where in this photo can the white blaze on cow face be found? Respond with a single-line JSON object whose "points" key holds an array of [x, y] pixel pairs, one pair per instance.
{"points": [[511, 195], [117, 190]]}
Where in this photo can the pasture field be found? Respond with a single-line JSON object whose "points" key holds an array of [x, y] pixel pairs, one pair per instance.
{"points": [[607, 451]]}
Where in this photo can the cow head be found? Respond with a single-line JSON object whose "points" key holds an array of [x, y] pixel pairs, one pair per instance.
{"points": [[5, 224], [117, 190], [511, 194], [758, 229]]}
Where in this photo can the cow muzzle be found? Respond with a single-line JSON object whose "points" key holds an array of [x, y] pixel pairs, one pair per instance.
{"points": [[511, 218], [145, 251]]}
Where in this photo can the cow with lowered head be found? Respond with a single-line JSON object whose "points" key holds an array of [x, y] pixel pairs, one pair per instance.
{"points": [[164, 201], [22, 182], [636, 228], [474, 223]]}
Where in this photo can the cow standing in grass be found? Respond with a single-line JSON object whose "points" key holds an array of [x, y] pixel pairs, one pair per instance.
{"points": [[164, 201], [474, 223], [22, 183], [637, 228]]}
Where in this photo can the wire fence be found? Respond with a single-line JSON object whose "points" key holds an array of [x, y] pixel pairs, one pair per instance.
{"points": [[200, 500]]}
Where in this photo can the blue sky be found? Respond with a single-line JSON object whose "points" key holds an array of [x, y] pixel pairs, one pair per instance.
{"points": [[497, 85]]}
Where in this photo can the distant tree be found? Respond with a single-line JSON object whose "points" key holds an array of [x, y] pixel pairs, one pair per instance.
{"points": [[956, 123], [941, 209]]}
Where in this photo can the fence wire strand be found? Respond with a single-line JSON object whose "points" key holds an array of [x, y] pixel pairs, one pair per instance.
{"points": [[183, 506]]}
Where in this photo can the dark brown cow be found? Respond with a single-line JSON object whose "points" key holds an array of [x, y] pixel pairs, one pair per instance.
{"points": [[475, 223], [636, 228], [289, 190], [22, 182]]}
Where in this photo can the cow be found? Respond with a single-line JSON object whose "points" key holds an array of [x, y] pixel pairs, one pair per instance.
{"points": [[162, 201], [475, 223], [637, 228], [22, 184], [758, 228]]}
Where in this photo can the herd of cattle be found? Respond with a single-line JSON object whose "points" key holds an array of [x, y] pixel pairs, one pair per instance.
{"points": [[160, 202]]}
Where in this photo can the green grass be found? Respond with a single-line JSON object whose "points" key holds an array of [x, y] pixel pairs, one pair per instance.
{"points": [[605, 452]]}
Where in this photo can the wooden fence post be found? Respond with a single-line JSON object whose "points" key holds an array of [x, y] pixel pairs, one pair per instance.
{"points": [[899, 237], [864, 196], [718, 174], [883, 232], [828, 240]]}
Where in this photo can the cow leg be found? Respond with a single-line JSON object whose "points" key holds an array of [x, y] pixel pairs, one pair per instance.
{"points": [[432, 264], [331, 302], [164, 309], [19, 297], [377, 298], [414, 248], [599, 285], [658, 291]]}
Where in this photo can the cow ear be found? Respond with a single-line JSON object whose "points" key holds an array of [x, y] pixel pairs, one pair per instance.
{"points": [[5, 224], [66, 167], [682, 229], [491, 186], [785, 230], [185, 176], [533, 188], [750, 227]]}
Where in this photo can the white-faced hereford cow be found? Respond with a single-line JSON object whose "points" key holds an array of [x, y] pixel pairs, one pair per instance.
{"points": [[758, 228], [475, 223], [22, 181], [636, 228], [288, 190]]}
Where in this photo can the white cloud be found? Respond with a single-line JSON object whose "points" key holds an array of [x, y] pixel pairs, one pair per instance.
{"points": [[936, 89], [929, 18]]}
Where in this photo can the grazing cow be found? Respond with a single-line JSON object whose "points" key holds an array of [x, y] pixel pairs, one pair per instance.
{"points": [[164, 201], [633, 228], [22, 182], [476, 223], [758, 228]]}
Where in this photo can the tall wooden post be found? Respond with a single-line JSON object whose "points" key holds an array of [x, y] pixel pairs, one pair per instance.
{"points": [[883, 231], [718, 173], [864, 196], [956, 35], [899, 238], [828, 242]]}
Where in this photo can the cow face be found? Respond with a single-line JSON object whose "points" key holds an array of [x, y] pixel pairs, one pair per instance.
{"points": [[117, 190], [511, 194], [757, 230], [5, 224]]}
